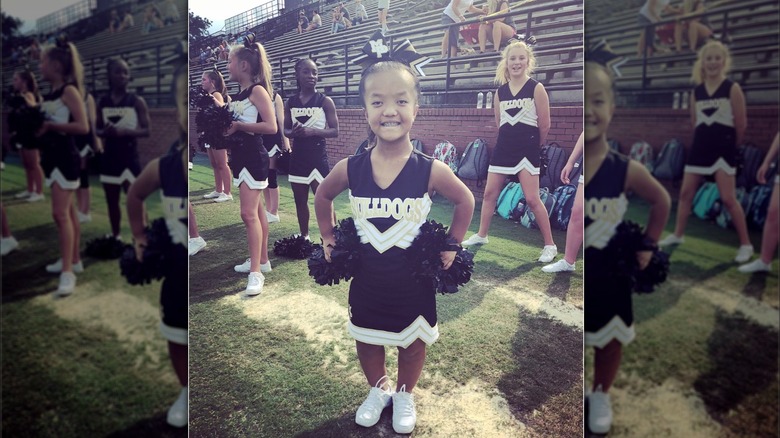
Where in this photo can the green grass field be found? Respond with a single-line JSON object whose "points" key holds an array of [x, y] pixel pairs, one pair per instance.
{"points": [[92, 364], [705, 359], [508, 362]]}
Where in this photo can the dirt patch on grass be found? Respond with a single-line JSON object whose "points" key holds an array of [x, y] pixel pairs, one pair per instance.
{"points": [[535, 302], [755, 310]]}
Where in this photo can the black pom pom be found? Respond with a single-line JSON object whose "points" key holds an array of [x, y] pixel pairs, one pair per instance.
{"points": [[211, 120], [344, 257], [26, 121], [624, 267], [654, 274], [106, 248], [133, 270], [294, 247], [160, 255], [424, 256]]}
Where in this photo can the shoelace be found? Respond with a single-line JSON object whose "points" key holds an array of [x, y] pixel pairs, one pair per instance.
{"points": [[406, 405]]}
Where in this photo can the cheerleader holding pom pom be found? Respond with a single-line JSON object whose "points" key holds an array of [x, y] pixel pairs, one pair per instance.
{"points": [[608, 176], [24, 120], [388, 307], [213, 83]]}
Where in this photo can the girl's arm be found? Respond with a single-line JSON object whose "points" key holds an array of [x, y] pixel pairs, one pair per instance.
{"points": [[475, 10], [336, 182], [740, 114], [92, 116], [146, 183], [288, 121], [497, 109], [445, 182], [640, 181], [142, 130], [262, 101], [542, 102], [79, 126], [280, 121], [771, 155], [218, 99], [331, 131], [575, 154]]}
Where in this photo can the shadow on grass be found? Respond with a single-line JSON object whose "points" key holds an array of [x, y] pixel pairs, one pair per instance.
{"points": [[744, 363], [548, 357], [345, 426], [154, 427], [24, 270], [756, 286]]}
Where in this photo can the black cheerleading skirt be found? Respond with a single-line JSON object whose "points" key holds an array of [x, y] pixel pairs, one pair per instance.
{"points": [[514, 153], [609, 312], [249, 161], [174, 299], [308, 162], [60, 161], [119, 163], [714, 148], [273, 144]]}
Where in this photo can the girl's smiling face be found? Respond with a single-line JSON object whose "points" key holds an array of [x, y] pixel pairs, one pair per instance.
{"points": [[517, 62], [713, 61], [599, 102], [391, 104]]}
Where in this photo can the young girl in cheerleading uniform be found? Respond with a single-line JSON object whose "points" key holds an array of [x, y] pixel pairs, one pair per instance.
{"points": [[523, 118], [275, 144], [719, 119], [122, 118], [169, 174], [387, 307], [249, 66], [309, 118], [25, 84], [88, 145], [66, 118], [574, 231], [608, 176], [213, 83]]}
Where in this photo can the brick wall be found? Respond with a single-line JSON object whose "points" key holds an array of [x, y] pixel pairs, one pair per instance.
{"points": [[657, 125]]}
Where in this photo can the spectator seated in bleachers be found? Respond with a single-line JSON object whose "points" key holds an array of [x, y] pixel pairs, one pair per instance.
{"points": [[697, 29], [345, 13], [359, 14], [338, 21], [127, 21], [315, 22], [649, 14], [152, 18], [452, 14], [496, 31], [170, 12], [303, 22], [114, 21]]}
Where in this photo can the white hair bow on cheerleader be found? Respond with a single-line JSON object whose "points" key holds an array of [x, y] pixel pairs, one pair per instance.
{"points": [[377, 49]]}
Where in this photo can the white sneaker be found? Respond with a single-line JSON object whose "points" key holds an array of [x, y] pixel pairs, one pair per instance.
{"points": [[23, 194], [212, 195], [254, 283], [195, 244], [548, 253], [8, 244], [559, 266], [744, 253], [475, 239], [600, 412], [177, 413], [223, 197], [35, 197], [756, 265], [189, 165], [671, 240], [378, 399], [244, 267], [404, 414], [67, 284], [84, 217], [56, 267], [271, 217]]}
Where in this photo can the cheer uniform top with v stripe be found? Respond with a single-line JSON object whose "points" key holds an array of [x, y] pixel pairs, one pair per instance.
{"points": [[715, 137], [517, 146], [309, 158], [173, 296], [387, 306], [59, 155], [273, 142], [119, 163], [609, 315], [248, 158]]}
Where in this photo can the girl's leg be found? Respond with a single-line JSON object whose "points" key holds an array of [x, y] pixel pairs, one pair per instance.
{"points": [[445, 43], [605, 365], [178, 354], [493, 188], [61, 204], [192, 222], [679, 28], [301, 196], [727, 188], [576, 222], [76, 227], [250, 202], [264, 227], [83, 195], [225, 177], [697, 32], [28, 170], [771, 235], [272, 193], [690, 184], [482, 36], [112, 192], [530, 185], [501, 32], [372, 360], [215, 168], [37, 171], [410, 365]]}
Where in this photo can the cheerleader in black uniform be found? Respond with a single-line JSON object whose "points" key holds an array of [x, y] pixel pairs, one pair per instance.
{"points": [[213, 83], [169, 174], [249, 66], [66, 117], [122, 118], [387, 307], [88, 145], [608, 176], [309, 118], [25, 84], [275, 144], [523, 117], [719, 119]]}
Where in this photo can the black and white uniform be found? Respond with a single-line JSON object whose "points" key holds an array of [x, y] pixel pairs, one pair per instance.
{"points": [[715, 137], [309, 158], [206, 145], [173, 296], [59, 156], [119, 163], [273, 142], [609, 315], [517, 146], [386, 304], [248, 158], [84, 142]]}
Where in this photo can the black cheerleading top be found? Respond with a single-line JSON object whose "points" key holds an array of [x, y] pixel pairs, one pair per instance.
{"points": [[311, 115], [57, 112], [605, 206], [173, 194], [246, 111], [715, 136], [518, 117], [121, 114], [273, 142]]}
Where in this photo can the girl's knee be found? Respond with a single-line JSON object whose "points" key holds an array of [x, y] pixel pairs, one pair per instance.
{"points": [[249, 217]]}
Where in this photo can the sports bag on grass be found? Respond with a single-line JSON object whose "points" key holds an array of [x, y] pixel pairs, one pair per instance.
{"points": [[748, 161], [564, 201], [474, 161], [446, 153], [642, 151], [706, 202], [528, 219], [553, 161], [671, 161], [508, 199], [758, 199]]}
